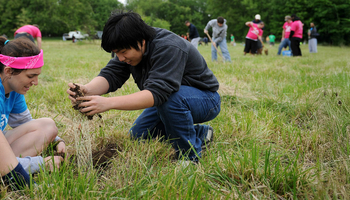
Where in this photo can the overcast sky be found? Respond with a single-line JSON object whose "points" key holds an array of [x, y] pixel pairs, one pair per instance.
{"points": [[122, 1]]}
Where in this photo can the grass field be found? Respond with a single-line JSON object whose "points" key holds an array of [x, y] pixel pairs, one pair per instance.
{"points": [[283, 132]]}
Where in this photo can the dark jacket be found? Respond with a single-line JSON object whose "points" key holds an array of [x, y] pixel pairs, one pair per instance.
{"points": [[314, 32], [169, 62], [193, 32]]}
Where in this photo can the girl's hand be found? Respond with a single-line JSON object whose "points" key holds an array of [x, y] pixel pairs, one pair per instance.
{"points": [[53, 162]]}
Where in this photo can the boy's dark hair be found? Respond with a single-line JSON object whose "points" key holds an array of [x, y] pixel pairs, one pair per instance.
{"points": [[20, 47], [220, 20], [125, 30]]}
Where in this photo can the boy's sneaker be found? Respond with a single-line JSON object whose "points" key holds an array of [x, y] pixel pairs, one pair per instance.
{"points": [[209, 138]]}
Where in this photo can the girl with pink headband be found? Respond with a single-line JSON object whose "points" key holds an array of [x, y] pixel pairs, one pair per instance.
{"points": [[20, 65]]}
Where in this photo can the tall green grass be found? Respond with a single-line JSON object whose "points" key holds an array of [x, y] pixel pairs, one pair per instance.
{"points": [[283, 132]]}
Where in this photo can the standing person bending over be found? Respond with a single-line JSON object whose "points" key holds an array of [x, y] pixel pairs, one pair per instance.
{"points": [[285, 42], [296, 34], [253, 36], [219, 38], [176, 92], [20, 65], [257, 20], [30, 32], [193, 34]]}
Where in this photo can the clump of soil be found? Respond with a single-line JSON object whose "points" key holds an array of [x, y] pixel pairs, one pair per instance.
{"points": [[79, 93], [266, 52]]}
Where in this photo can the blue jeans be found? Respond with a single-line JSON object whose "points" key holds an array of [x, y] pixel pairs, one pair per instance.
{"points": [[284, 44], [177, 118], [223, 47]]}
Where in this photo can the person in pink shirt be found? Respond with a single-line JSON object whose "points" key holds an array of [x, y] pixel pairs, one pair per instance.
{"points": [[285, 42], [254, 34], [31, 32], [296, 34]]}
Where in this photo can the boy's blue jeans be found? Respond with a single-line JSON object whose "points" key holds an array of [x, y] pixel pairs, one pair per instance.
{"points": [[284, 44], [224, 50], [177, 119]]}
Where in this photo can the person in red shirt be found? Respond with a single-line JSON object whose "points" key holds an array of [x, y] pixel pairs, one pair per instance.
{"points": [[254, 34], [31, 32], [296, 35], [285, 42]]}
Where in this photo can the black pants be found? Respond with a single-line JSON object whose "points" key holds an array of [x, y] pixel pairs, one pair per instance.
{"points": [[295, 45], [27, 35], [250, 45]]}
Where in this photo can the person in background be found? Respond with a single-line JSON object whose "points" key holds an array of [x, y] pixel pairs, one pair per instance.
{"points": [[285, 34], [296, 35], [30, 32], [219, 38], [257, 20], [20, 65], [254, 34], [178, 91], [193, 34], [205, 40], [233, 42], [312, 33], [272, 39]]}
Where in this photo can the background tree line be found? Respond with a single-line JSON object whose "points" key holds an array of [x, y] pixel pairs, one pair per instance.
{"points": [[55, 17]]}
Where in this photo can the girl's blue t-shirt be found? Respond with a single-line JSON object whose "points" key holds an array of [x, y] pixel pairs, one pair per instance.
{"points": [[15, 103]]}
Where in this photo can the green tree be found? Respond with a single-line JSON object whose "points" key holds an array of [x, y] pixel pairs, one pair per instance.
{"points": [[102, 9], [176, 12], [8, 15], [55, 17], [332, 19], [23, 18], [155, 22]]}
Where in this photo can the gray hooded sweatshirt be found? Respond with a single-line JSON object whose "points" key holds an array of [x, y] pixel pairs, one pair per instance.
{"points": [[219, 32]]}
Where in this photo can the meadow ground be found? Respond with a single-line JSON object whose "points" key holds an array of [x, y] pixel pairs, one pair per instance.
{"points": [[283, 132]]}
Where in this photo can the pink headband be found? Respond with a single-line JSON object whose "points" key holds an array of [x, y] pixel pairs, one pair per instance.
{"points": [[30, 62]]}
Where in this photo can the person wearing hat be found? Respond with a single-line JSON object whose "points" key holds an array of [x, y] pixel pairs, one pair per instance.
{"points": [[285, 34], [257, 20], [193, 34]]}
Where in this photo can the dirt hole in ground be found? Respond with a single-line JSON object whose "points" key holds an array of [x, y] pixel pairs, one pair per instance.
{"points": [[101, 158]]}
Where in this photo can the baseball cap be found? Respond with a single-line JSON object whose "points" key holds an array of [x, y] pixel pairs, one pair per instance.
{"points": [[257, 16], [287, 17]]}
